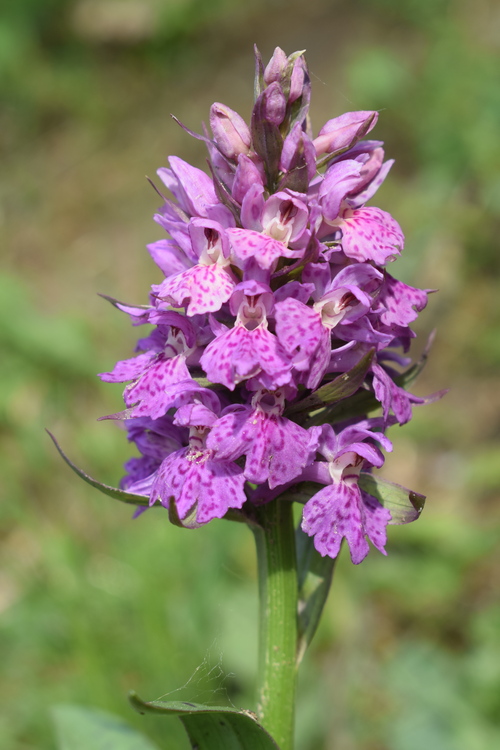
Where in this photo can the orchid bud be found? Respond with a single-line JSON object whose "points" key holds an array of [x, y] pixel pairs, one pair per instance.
{"points": [[247, 174], [267, 115], [298, 159], [299, 79], [343, 132], [276, 66], [273, 105], [230, 131]]}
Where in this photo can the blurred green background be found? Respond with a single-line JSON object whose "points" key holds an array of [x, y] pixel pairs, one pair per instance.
{"points": [[93, 604]]}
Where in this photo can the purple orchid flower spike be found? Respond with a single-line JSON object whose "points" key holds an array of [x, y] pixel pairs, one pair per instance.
{"points": [[276, 315]]}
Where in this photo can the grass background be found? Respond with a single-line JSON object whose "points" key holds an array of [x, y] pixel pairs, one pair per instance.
{"points": [[92, 604]]}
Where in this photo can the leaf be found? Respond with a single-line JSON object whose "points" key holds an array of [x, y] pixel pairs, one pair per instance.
{"points": [[365, 402], [361, 403], [405, 505], [81, 728], [124, 497], [341, 387], [314, 574], [259, 73], [213, 727]]}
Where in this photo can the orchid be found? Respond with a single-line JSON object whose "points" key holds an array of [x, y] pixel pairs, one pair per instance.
{"points": [[277, 335]]}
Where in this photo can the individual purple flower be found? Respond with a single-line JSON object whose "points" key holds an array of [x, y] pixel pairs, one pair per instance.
{"points": [[231, 133], [201, 485], [392, 397], [305, 332], [276, 448], [162, 363], [249, 348], [298, 155], [364, 234], [206, 286], [194, 192], [341, 509], [247, 174]]}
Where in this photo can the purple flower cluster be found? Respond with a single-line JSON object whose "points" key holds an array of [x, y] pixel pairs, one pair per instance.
{"points": [[275, 294]]}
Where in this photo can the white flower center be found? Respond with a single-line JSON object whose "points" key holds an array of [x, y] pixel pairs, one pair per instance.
{"points": [[252, 312], [335, 306], [346, 468]]}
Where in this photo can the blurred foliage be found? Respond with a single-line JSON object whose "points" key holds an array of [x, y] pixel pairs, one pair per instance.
{"points": [[93, 604]]}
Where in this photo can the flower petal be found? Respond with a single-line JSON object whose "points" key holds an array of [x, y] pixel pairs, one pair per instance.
{"points": [[371, 234]]}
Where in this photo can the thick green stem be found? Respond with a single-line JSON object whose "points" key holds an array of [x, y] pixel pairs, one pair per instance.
{"points": [[275, 540]]}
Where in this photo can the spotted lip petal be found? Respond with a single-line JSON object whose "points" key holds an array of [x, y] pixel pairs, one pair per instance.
{"points": [[198, 484], [276, 448], [239, 354], [201, 289], [340, 511], [370, 234], [247, 244], [400, 304]]}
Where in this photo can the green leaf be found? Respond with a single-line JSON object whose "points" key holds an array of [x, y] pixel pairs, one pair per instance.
{"points": [[124, 497], [341, 387], [213, 727], [364, 402], [361, 403], [81, 728], [405, 505], [314, 579]]}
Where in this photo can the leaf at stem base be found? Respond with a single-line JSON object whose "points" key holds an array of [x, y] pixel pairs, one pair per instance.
{"points": [[212, 727]]}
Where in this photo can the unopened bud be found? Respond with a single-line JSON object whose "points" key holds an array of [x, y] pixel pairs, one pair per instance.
{"points": [[231, 133], [273, 104], [344, 131], [298, 159], [247, 174], [276, 66]]}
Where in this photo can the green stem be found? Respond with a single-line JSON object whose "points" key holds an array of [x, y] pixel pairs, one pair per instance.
{"points": [[275, 541]]}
